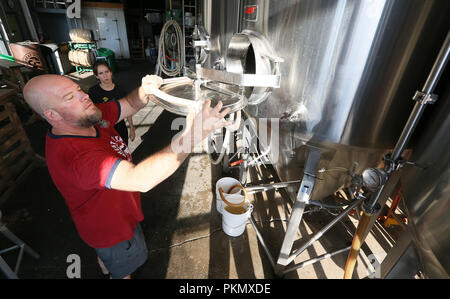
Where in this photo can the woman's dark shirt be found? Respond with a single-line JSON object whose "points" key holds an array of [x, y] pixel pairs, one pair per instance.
{"points": [[99, 95]]}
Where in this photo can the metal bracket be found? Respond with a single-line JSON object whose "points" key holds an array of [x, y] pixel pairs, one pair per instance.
{"points": [[393, 165], [201, 43], [368, 209], [240, 79], [425, 98]]}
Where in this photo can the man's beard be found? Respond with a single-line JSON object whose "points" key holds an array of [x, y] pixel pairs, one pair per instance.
{"points": [[91, 119]]}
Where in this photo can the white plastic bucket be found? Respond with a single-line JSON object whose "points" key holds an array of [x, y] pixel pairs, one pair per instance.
{"points": [[234, 224], [234, 197]]}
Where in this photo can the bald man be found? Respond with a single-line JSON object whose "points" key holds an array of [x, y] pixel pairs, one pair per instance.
{"points": [[93, 169]]}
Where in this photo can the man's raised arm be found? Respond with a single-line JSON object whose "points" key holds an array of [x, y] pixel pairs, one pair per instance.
{"points": [[138, 98], [159, 166]]}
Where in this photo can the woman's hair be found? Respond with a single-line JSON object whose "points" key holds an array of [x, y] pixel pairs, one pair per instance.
{"points": [[97, 64]]}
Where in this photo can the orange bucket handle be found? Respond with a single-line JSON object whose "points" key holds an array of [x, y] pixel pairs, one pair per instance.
{"points": [[234, 205]]}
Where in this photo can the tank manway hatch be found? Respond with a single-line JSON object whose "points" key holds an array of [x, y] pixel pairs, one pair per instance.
{"points": [[251, 72]]}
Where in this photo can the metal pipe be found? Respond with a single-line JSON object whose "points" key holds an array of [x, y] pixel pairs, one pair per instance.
{"points": [[328, 206], [413, 119], [430, 84], [4, 267], [261, 240], [19, 258], [13, 238], [267, 187], [438, 67], [316, 259], [179, 80], [9, 249], [226, 144], [419, 107], [324, 230], [29, 20]]}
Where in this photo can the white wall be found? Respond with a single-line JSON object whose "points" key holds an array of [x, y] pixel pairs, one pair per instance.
{"points": [[89, 17]]}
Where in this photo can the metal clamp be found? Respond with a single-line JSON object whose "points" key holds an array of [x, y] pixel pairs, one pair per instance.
{"points": [[370, 209], [393, 165], [425, 98]]}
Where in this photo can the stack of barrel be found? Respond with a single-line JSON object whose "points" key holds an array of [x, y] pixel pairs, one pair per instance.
{"points": [[81, 57]]}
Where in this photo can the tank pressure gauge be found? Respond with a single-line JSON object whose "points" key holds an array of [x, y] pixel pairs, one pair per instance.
{"points": [[374, 178]]}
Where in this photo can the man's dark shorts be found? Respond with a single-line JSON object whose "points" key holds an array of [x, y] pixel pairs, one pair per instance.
{"points": [[124, 258]]}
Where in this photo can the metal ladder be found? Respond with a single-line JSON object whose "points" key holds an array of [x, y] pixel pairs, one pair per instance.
{"points": [[19, 244], [192, 9]]}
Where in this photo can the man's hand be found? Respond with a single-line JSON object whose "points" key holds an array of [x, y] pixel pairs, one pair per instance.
{"points": [[200, 125], [139, 97], [213, 118], [150, 83]]}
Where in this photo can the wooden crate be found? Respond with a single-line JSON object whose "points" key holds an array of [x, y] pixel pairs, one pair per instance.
{"points": [[16, 154], [16, 75]]}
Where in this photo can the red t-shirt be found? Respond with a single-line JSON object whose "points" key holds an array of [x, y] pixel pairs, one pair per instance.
{"points": [[82, 169]]}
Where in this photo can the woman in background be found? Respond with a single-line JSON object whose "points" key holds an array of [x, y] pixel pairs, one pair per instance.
{"points": [[106, 91]]}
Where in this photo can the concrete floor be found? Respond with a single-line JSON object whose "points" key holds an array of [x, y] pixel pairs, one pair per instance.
{"points": [[182, 227]]}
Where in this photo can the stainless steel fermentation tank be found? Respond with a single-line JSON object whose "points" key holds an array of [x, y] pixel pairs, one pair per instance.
{"points": [[425, 244], [336, 76], [350, 70]]}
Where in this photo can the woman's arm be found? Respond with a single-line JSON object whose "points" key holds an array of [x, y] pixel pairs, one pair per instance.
{"points": [[132, 131]]}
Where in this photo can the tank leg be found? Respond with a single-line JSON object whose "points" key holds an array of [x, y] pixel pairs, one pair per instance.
{"points": [[303, 196]]}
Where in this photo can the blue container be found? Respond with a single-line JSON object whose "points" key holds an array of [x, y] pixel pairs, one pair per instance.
{"points": [[153, 52]]}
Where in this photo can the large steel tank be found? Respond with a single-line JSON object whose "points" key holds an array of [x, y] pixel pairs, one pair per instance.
{"points": [[427, 188], [221, 21], [350, 71], [327, 89]]}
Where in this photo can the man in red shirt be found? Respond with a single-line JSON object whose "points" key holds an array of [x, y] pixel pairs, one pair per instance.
{"points": [[92, 167]]}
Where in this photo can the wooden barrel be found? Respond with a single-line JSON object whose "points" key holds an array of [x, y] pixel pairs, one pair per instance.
{"points": [[29, 54], [80, 35], [83, 58], [73, 58]]}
